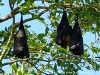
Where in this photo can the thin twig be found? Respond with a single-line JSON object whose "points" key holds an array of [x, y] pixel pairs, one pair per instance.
{"points": [[1, 70], [12, 7], [37, 68]]}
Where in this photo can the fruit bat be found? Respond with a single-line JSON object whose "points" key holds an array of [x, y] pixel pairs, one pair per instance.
{"points": [[76, 39], [62, 31], [20, 42]]}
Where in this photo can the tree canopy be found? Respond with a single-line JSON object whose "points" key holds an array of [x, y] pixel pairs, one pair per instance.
{"points": [[46, 57]]}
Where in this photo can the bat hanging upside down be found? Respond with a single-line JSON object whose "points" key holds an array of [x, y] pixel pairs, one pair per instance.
{"points": [[63, 31], [76, 39], [20, 42]]}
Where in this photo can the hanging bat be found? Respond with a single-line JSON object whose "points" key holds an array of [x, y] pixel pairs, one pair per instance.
{"points": [[20, 42], [76, 39], [62, 31]]}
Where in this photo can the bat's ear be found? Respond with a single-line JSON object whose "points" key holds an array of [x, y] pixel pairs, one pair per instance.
{"points": [[21, 22], [64, 17], [21, 17], [76, 40]]}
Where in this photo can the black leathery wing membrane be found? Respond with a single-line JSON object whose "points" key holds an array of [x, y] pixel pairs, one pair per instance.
{"points": [[63, 30], [76, 39], [20, 42]]}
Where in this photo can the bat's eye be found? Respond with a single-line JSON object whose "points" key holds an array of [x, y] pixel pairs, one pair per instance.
{"points": [[59, 41], [64, 26]]}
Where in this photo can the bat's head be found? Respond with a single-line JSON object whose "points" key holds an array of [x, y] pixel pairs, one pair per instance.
{"points": [[62, 35]]}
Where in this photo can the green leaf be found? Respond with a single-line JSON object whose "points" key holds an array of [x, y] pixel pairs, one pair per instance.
{"points": [[42, 20], [34, 15], [1, 4], [0, 64], [23, 67], [20, 72], [95, 49], [18, 1], [87, 67], [97, 1], [42, 1], [59, 62], [53, 34], [56, 0], [91, 44], [46, 30], [41, 35], [26, 0], [14, 68], [46, 49], [55, 67]]}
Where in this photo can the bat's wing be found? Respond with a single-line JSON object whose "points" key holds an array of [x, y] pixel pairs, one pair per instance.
{"points": [[76, 40]]}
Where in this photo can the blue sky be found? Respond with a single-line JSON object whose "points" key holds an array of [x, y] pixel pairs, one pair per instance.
{"points": [[40, 28]]}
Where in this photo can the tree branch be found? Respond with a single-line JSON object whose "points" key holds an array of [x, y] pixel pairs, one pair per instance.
{"points": [[1, 70], [48, 60], [10, 15], [15, 11], [28, 59]]}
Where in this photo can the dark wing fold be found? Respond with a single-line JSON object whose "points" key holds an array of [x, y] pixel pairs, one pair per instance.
{"points": [[76, 40]]}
